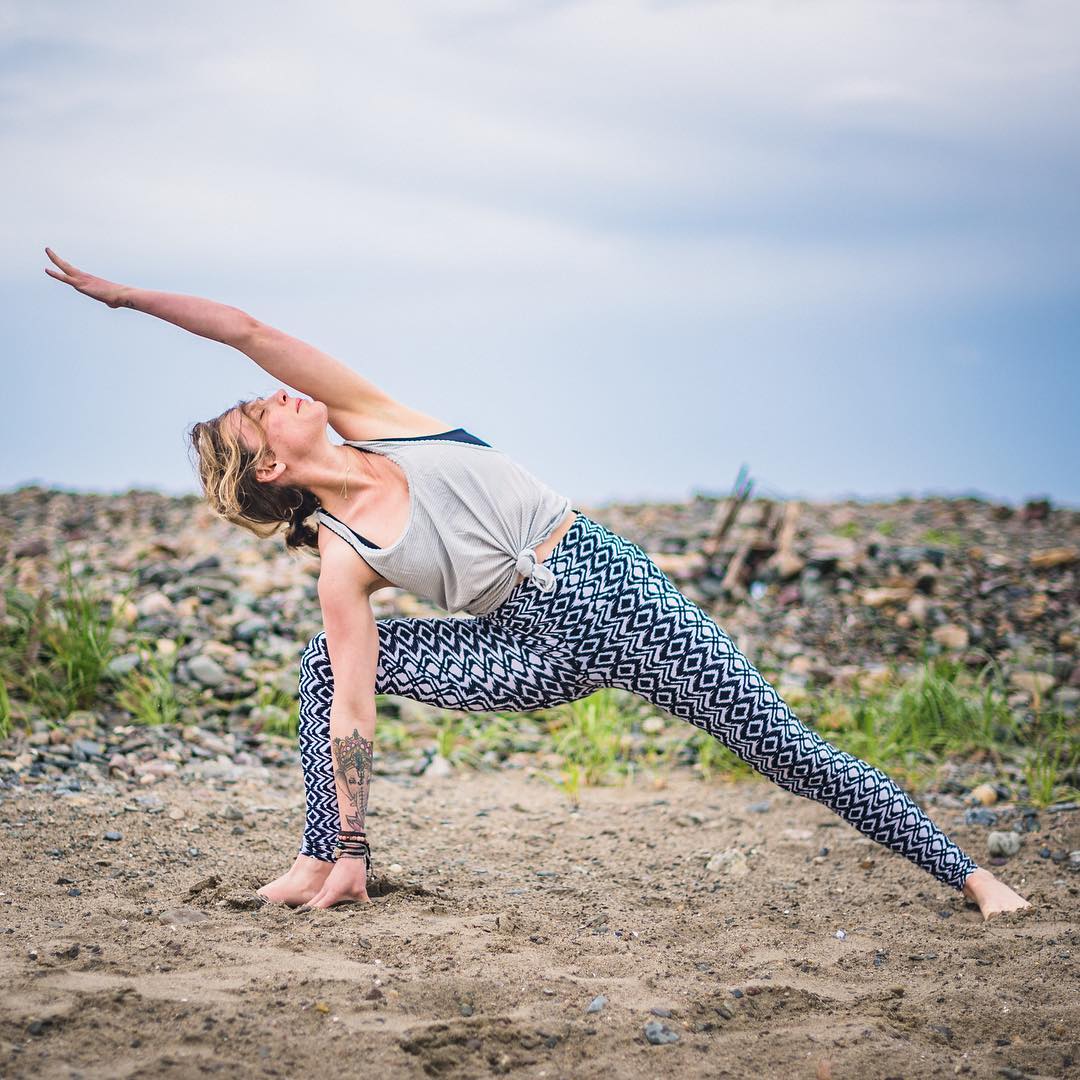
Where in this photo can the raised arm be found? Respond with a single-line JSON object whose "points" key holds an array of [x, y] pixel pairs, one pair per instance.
{"points": [[288, 359]]}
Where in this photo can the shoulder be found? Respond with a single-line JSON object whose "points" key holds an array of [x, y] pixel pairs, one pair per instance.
{"points": [[342, 570], [390, 420]]}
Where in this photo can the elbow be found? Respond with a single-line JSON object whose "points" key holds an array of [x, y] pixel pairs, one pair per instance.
{"points": [[247, 328]]}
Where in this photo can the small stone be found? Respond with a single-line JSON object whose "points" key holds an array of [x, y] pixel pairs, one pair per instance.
{"points": [[182, 916], [951, 636], [658, 1033], [206, 670], [114, 836], [657, 1010], [731, 862], [439, 766], [596, 1004], [1003, 844], [985, 794], [1034, 682]]}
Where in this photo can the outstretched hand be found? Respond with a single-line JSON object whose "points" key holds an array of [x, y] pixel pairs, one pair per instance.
{"points": [[108, 292]]}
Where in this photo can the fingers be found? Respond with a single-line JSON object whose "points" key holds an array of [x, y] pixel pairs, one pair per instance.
{"points": [[64, 265]]}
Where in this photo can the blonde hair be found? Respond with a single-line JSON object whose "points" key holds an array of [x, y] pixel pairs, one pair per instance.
{"points": [[226, 469]]}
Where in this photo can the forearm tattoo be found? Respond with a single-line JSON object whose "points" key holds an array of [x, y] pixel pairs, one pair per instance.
{"points": [[352, 758]]}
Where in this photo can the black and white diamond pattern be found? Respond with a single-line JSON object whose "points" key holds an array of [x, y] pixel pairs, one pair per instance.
{"points": [[614, 619]]}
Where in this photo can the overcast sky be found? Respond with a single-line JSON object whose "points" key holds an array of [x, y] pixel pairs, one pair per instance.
{"points": [[636, 245]]}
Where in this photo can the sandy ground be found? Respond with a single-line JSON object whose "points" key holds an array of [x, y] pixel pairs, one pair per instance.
{"points": [[509, 915]]}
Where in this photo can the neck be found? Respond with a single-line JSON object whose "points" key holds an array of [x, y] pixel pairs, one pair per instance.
{"points": [[352, 478]]}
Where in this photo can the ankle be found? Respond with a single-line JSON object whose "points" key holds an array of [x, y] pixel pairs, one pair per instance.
{"points": [[309, 866], [976, 881]]}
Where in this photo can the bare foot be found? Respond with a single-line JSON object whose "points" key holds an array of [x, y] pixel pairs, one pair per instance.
{"points": [[993, 897], [303, 880]]}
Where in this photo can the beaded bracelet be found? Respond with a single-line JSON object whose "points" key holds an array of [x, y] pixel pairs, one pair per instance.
{"points": [[354, 849]]}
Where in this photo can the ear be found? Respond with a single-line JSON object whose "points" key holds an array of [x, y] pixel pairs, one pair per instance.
{"points": [[265, 474]]}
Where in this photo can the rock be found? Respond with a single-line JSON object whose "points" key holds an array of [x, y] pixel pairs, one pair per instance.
{"points": [[596, 1004], [113, 836], [1051, 557], [1034, 682], [155, 603], [951, 636], [123, 664], [658, 1033], [206, 670], [986, 794], [182, 916], [731, 863], [1003, 844], [886, 595], [439, 766]]}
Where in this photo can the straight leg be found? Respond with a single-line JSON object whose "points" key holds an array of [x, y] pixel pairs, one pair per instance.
{"points": [[647, 637]]}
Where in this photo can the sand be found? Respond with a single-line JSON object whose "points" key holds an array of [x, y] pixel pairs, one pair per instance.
{"points": [[509, 914]]}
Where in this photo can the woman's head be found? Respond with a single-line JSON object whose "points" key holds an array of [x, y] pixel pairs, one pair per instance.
{"points": [[245, 456]]}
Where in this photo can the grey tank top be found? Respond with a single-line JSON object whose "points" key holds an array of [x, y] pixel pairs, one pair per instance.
{"points": [[475, 519]]}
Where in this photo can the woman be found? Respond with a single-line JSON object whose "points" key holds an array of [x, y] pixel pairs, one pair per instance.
{"points": [[560, 605]]}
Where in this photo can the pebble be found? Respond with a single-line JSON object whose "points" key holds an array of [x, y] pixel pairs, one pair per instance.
{"points": [[1003, 844], [182, 916], [731, 863], [113, 836], [658, 1033], [596, 1004]]}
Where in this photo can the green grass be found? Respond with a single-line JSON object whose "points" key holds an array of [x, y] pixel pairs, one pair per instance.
{"points": [[593, 733], [5, 711], [943, 537], [148, 693], [55, 649], [276, 712]]}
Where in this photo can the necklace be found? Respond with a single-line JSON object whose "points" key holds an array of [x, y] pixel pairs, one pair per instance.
{"points": [[345, 486]]}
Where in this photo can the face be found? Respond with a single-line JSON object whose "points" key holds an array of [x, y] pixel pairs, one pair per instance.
{"points": [[354, 784], [292, 424]]}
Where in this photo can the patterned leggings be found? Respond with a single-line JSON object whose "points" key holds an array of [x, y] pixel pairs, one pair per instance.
{"points": [[614, 619]]}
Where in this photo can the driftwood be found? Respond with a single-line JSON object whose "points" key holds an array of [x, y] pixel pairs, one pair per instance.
{"points": [[753, 536], [726, 513]]}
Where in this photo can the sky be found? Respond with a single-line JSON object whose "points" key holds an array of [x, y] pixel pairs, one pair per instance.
{"points": [[636, 245]]}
